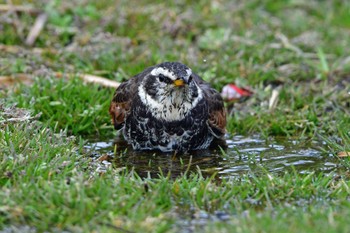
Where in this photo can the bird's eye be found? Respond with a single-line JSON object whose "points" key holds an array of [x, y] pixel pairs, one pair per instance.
{"points": [[189, 79], [161, 78]]}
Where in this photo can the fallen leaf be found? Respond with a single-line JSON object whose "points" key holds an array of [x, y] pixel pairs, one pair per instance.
{"points": [[103, 158], [6, 81], [343, 154]]}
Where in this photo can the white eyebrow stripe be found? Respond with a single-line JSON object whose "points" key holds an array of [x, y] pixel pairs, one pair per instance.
{"points": [[189, 72], [165, 72]]}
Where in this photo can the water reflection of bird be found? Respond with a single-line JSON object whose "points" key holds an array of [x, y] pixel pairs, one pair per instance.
{"points": [[153, 163], [167, 107]]}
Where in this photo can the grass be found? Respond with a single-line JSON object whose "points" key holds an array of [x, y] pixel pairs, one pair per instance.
{"points": [[48, 180], [72, 105]]}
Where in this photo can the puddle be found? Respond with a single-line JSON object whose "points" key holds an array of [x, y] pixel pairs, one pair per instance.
{"points": [[243, 155]]}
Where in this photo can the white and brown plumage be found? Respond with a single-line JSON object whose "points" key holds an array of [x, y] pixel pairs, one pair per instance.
{"points": [[167, 107]]}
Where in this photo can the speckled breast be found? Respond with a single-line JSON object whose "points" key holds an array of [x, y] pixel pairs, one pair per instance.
{"points": [[145, 132]]}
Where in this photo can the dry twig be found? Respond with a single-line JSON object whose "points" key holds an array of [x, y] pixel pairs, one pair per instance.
{"points": [[99, 80], [274, 99], [18, 49], [36, 29]]}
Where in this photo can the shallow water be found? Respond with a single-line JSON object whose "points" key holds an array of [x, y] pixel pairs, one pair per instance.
{"points": [[243, 155]]}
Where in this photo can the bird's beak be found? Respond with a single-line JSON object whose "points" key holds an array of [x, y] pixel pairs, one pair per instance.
{"points": [[179, 82]]}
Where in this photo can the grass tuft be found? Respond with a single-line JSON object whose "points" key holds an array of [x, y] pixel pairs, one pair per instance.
{"points": [[79, 108]]}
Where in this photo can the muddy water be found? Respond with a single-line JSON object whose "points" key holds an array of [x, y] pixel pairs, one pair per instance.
{"points": [[243, 155]]}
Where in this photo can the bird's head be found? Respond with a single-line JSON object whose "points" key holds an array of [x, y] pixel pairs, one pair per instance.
{"points": [[170, 84], [172, 74], [170, 80]]}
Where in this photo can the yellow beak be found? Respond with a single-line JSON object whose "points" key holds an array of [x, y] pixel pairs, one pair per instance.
{"points": [[179, 82]]}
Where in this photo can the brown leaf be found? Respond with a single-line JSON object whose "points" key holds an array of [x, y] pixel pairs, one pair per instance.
{"points": [[103, 158], [7, 81], [343, 154]]}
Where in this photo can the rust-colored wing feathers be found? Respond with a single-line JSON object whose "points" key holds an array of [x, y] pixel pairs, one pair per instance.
{"points": [[118, 112], [217, 122], [217, 114], [120, 104]]}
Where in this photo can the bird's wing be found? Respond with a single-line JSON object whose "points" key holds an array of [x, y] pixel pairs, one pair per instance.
{"points": [[120, 104], [122, 99], [216, 108]]}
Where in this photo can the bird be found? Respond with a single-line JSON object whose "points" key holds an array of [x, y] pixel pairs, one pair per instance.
{"points": [[168, 107]]}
